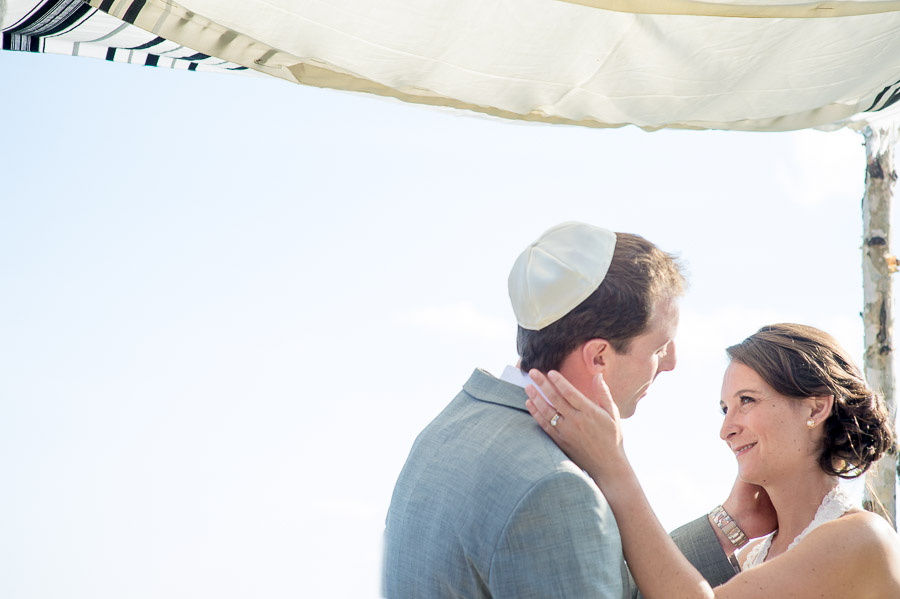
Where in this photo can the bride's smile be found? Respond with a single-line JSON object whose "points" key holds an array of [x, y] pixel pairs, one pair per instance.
{"points": [[768, 432]]}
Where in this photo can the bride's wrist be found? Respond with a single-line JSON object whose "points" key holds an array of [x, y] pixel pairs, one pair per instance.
{"points": [[618, 482], [728, 531]]}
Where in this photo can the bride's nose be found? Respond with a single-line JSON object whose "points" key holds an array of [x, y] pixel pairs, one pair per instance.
{"points": [[729, 428]]}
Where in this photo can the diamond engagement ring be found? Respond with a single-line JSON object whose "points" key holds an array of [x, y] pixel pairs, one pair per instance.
{"points": [[555, 419]]}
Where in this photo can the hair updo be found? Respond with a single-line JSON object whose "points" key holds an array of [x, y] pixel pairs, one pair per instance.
{"points": [[801, 361]]}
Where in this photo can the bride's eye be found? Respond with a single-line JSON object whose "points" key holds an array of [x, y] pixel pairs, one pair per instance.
{"points": [[745, 399]]}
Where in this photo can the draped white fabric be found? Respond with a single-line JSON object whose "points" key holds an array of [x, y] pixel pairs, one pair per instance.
{"points": [[564, 61]]}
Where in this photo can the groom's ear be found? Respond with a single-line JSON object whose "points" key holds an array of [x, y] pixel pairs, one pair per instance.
{"points": [[594, 354]]}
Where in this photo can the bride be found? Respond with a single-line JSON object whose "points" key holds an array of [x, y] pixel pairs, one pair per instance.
{"points": [[798, 416]]}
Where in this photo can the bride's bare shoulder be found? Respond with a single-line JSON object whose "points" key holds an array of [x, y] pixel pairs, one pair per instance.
{"points": [[856, 555], [868, 536], [865, 526], [864, 522]]}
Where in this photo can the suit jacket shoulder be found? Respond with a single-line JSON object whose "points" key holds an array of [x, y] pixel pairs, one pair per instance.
{"points": [[488, 506]]}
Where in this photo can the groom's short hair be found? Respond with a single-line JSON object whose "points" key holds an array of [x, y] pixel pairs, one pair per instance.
{"points": [[640, 275]]}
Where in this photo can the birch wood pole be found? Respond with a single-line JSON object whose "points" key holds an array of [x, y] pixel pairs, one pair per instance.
{"points": [[878, 266]]}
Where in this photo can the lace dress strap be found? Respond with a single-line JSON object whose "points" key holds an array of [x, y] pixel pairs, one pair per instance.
{"points": [[757, 554], [835, 504]]}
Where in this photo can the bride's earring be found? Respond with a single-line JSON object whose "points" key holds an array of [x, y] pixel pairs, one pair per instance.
{"points": [[810, 423]]}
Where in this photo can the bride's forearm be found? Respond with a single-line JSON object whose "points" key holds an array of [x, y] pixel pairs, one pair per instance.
{"points": [[658, 567], [588, 431]]}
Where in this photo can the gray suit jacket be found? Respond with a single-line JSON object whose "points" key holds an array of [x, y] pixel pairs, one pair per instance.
{"points": [[488, 506]]}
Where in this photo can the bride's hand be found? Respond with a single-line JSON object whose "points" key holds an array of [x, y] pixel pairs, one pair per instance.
{"points": [[588, 432], [750, 507]]}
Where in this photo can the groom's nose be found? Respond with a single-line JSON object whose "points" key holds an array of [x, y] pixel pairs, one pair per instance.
{"points": [[670, 359]]}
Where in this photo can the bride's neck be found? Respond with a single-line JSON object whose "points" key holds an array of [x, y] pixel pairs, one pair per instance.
{"points": [[796, 501]]}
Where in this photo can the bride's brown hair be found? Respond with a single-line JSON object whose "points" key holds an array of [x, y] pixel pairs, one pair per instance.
{"points": [[802, 361]]}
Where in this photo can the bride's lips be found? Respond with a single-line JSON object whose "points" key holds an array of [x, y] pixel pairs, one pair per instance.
{"points": [[741, 449]]}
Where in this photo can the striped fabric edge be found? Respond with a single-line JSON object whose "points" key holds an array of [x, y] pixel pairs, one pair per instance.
{"points": [[75, 28], [885, 98]]}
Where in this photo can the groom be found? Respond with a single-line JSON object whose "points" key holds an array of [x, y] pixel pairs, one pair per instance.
{"points": [[486, 504]]}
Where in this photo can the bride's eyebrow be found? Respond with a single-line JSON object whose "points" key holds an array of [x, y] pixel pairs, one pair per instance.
{"points": [[738, 394]]}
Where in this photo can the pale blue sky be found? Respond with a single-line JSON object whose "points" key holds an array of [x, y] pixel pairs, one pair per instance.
{"points": [[228, 305]]}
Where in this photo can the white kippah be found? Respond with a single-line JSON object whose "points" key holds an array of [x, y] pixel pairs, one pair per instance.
{"points": [[559, 271]]}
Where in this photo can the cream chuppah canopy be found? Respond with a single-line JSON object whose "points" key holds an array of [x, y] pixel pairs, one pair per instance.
{"points": [[755, 66]]}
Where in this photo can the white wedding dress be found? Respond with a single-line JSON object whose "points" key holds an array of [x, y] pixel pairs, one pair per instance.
{"points": [[835, 504]]}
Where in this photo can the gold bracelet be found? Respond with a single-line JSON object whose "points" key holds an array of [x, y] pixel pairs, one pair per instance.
{"points": [[729, 527]]}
